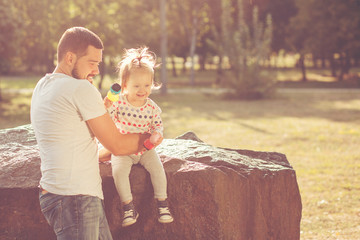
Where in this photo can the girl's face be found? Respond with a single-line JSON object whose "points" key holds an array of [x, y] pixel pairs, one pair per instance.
{"points": [[138, 86]]}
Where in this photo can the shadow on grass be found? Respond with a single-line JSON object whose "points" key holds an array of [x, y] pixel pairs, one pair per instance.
{"points": [[335, 105], [14, 110], [320, 84], [338, 106]]}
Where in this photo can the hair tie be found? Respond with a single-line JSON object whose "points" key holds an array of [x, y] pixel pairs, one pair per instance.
{"points": [[139, 60]]}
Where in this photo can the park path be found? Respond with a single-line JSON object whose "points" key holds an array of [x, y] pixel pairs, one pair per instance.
{"points": [[279, 90], [18, 90], [220, 90]]}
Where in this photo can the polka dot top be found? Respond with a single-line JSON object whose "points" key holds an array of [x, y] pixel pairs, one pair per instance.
{"points": [[131, 119]]}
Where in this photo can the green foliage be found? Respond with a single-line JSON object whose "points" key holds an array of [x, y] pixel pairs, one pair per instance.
{"points": [[251, 84], [246, 46], [30, 30], [281, 12], [325, 28], [9, 37]]}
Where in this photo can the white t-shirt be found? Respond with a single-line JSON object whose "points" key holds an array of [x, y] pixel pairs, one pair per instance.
{"points": [[60, 106]]}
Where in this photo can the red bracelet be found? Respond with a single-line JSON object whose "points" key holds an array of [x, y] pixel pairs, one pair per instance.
{"points": [[148, 145]]}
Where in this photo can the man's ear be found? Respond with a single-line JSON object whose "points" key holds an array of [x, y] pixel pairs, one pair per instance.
{"points": [[70, 58]]}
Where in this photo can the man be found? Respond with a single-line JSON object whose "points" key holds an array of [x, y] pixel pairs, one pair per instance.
{"points": [[67, 113]]}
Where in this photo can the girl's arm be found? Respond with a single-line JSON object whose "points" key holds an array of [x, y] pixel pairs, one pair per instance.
{"points": [[157, 128]]}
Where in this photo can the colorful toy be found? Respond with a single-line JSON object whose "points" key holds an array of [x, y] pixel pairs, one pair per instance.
{"points": [[113, 93]]}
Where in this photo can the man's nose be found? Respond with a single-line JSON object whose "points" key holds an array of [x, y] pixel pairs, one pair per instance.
{"points": [[96, 70]]}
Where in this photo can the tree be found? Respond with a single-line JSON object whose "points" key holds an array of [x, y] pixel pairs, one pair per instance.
{"points": [[40, 30], [281, 12], [216, 42], [9, 36], [163, 40], [120, 24], [245, 46], [189, 15], [178, 43], [103, 18], [326, 28], [298, 32], [344, 21]]}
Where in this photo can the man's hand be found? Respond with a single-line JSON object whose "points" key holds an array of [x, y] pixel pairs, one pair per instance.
{"points": [[104, 155]]}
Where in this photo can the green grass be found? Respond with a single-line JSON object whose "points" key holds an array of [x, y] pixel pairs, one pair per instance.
{"points": [[18, 82], [318, 130]]}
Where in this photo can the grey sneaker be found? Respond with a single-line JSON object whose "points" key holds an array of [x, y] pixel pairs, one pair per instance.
{"points": [[164, 212], [130, 214]]}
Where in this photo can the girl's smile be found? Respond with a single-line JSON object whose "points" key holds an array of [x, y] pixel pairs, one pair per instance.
{"points": [[138, 87]]}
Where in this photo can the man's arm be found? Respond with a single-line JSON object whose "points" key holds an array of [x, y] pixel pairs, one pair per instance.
{"points": [[106, 132]]}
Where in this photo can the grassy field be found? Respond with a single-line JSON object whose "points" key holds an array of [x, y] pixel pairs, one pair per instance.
{"points": [[317, 129]]}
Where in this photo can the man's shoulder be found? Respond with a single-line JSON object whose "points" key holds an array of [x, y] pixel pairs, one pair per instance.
{"points": [[65, 77], [57, 76], [78, 84]]}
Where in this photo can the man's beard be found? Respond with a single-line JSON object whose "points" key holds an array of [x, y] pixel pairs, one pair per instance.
{"points": [[74, 73]]}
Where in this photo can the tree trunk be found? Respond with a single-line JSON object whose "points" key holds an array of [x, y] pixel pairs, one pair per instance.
{"points": [[302, 67], [345, 66], [163, 46], [274, 61], [202, 60], [219, 71], [323, 63], [0, 92], [192, 50], [184, 65], [50, 63], [356, 62], [173, 66], [314, 60], [102, 70], [332, 66]]}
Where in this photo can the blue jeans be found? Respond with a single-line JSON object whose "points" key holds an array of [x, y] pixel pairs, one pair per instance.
{"points": [[77, 217]]}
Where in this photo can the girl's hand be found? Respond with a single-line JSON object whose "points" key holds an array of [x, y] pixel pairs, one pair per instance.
{"points": [[156, 138], [107, 102]]}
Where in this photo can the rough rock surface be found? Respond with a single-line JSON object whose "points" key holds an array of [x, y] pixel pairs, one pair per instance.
{"points": [[214, 193]]}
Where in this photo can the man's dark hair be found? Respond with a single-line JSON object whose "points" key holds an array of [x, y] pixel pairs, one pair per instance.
{"points": [[77, 40]]}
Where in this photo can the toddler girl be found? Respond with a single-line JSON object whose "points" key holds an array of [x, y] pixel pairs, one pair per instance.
{"points": [[134, 112]]}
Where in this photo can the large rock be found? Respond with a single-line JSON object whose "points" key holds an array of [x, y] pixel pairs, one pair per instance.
{"points": [[214, 193]]}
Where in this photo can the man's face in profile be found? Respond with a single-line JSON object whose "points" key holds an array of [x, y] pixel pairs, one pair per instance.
{"points": [[87, 66]]}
